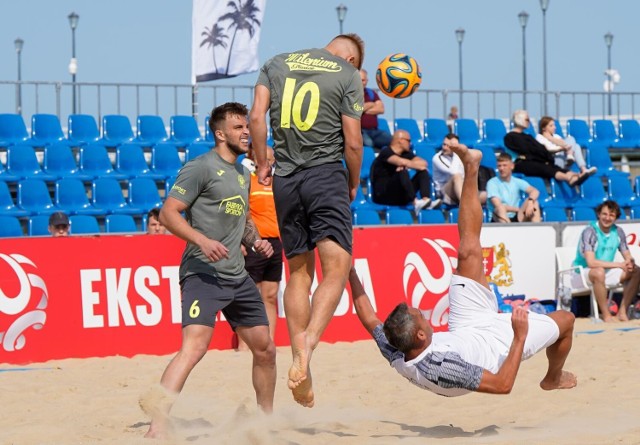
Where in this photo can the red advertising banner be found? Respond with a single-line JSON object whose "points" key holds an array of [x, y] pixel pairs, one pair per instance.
{"points": [[101, 296]]}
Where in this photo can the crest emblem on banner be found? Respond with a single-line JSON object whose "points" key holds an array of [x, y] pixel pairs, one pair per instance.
{"points": [[497, 265]]}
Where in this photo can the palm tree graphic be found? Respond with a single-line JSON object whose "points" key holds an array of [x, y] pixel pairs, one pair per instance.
{"points": [[214, 37], [243, 17]]}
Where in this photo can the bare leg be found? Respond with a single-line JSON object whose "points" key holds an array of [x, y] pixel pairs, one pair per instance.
{"points": [[557, 353], [195, 342], [470, 218], [631, 282], [597, 278], [264, 364], [269, 292]]}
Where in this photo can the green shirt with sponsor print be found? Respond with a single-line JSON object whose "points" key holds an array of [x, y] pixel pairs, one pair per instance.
{"points": [[310, 91], [216, 193]]}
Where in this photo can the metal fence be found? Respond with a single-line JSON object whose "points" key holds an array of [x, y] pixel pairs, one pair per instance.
{"points": [[165, 100]]}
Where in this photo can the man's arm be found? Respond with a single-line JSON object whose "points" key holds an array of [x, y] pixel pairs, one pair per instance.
{"points": [[416, 163], [352, 152], [362, 304], [376, 107], [258, 131], [171, 218], [592, 261], [251, 239], [502, 382]]}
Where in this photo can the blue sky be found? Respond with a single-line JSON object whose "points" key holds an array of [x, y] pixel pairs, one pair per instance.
{"points": [[146, 41]]}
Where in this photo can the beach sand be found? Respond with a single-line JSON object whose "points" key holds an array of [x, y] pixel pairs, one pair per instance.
{"points": [[359, 400]]}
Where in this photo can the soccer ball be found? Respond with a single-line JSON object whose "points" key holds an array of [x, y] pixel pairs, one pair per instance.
{"points": [[398, 75]]}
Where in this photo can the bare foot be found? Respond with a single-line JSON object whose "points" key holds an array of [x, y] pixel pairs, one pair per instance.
{"points": [[566, 380], [466, 155], [622, 315], [303, 393], [610, 319], [298, 370], [156, 403]]}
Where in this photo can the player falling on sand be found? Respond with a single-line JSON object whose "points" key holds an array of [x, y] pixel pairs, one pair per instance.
{"points": [[483, 349]]}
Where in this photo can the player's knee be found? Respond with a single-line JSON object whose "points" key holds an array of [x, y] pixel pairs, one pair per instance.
{"points": [[597, 275], [265, 355]]}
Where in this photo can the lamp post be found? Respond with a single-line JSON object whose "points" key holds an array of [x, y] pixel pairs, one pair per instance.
{"points": [[19, 43], [342, 13], [460, 38], [524, 17], [544, 4], [608, 40], [73, 64]]}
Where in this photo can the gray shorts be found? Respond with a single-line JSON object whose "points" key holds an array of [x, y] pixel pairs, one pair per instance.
{"points": [[203, 296]]}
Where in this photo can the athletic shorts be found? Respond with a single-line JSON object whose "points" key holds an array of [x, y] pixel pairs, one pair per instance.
{"points": [[261, 268], [473, 306], [611, 277], [203, 296], [313, 204]]}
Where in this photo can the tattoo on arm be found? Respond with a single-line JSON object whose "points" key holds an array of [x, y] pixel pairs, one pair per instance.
{"points": [[250, 235]]}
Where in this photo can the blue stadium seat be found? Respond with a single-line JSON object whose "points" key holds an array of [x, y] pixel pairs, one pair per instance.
{"points": [[208, 136], [120, 224], [467, 131], [635, 212], [604, 132], [60, 163], [116, 129], [368, 156], [598, 156], [23, 163], [398, 216], [46, 129], [426, 152], [38, 225], [12, 130], [362, 202], [106, 194], [82, 129], [434, 131], [629, 133], [196, 149], [559, 130], [7, 206], [488, 156], [95, 162], [71, 197], [410, 126], [184, 130], [5, 176], [383, 125], [493, 133], [592, 193], [34, 197], [130, 161], [168, 183], [150, 130], [143, 194], [579, 129], [365, 217], [621, 191], [562, 191], [165, 160], [431, 216], [10, 227], [554, 214], [583, 214], [453, 215], [545, 199], [83, 224]]}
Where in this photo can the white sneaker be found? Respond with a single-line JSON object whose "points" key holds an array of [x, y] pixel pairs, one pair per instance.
{"points": [[591, 171], [420, 204], [434, 204]]}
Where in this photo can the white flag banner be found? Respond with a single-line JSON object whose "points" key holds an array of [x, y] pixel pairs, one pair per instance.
{"points": [[225, 38]]}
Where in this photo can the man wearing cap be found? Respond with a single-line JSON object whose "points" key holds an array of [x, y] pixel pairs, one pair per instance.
{"points": [[59, 224]]}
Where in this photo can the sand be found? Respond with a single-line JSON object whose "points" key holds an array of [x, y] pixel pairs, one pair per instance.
{"points": [[359, 400]]}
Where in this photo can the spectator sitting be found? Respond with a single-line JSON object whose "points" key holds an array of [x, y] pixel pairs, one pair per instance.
{"points": [[390, 178], [448, 171], [453, 113], [154, 226], [59, 224], [565, 151], [504, 195], [533, 159], [373, 106]]}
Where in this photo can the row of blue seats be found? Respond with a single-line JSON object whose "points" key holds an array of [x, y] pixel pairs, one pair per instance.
{"points": [[11, 226], [116, 129], [105, 196], [94, 162]]}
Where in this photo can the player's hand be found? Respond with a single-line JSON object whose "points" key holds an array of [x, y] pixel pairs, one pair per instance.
{"points": [[520, 322], [214, 250], [353, 191], [263, 247], [264, 174]]}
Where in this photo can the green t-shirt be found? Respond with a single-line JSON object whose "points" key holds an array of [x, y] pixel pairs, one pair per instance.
{"points": [[216, 193], [310, 91]]}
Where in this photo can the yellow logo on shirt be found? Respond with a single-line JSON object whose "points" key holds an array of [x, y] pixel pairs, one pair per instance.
{"points": [[242, 181], [179, 189], [220, 172], [357, 107], [302, 62], [234, 205]]}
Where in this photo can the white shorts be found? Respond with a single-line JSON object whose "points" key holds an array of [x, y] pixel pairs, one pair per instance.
{"points": [[611, 277], [473, 306]]}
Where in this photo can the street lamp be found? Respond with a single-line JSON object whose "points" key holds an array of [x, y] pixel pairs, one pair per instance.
{"points": [[608, 40], [342, 13], [544, 4], [524, 17], [73, 64], [460, 38], [19, 43]]}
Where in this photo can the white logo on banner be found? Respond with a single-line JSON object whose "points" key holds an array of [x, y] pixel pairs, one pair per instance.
{"points": [[31, 287], [427, 282]]}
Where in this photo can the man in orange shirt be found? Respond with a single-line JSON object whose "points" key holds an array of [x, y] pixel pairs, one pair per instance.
{"points": [[266, 272]]}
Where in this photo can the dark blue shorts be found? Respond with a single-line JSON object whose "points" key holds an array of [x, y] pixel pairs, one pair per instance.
{"points": [[261, 268]]}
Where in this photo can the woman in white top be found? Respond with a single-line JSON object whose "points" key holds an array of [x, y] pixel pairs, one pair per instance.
{"points": [[565, 151]]}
